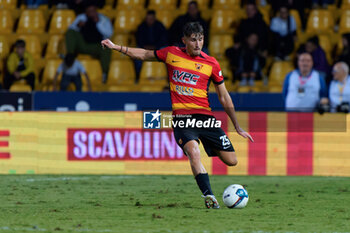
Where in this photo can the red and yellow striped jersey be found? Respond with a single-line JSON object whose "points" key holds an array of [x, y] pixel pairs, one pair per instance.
{"points": [[189, 79]]}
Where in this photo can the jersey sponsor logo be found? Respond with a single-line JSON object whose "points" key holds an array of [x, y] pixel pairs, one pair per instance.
{"points": [[181, 90], [185, 77], [173, 61]]}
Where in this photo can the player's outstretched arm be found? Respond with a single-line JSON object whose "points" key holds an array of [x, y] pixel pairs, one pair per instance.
{"points": [[226, 102], [134, 53]]}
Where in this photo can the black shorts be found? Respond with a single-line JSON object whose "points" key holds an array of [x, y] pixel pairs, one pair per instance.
{"points": [[213, 138]]}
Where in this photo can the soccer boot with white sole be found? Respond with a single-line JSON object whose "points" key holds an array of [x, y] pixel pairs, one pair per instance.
{"points": [[211, 202]]}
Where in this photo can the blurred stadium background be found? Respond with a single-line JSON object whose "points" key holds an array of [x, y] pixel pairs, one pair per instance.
{"points": [[43, 29], [32, 142]]}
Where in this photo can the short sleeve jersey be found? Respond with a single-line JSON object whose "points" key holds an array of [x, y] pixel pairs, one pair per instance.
{"points": [[189, 79], [74, 70]]}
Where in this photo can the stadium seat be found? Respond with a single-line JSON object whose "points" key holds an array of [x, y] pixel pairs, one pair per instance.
{"points": [[49, 73], [202, 4], [121, 39], [275, 88], [109, 12], [31, 21], [244, 89], [153, 73], [224, 21], [279, 71], [4, 47], [162, 4], [123, 88], [320, 22], [121, 72], [226, 4], [61, 19], [8, 4], [297, 19], [20, 87], [226, 70], [130, 4], [110, 3], [265, 11], [339, 47], [166, 17], [218, 45], [150, 88], [33, 45], [344, 24], [345, 4], [6, 22], [127, 21], [94, 70], [55, 46], [326, 45]]}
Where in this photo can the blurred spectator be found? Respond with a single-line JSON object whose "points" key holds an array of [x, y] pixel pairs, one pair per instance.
{"points": [[323, 3], [283, 28], [304, 88], [339, 90], [77, 5], [71, 70], [345, 54], [192, 15], [85, 34], [318, 55], [151, 34], [34, 3], [299, 5], [254, 23], [246, 61], [20, 66]]}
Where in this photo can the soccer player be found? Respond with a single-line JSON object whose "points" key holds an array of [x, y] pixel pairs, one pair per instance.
{"points": [[190, 72]]}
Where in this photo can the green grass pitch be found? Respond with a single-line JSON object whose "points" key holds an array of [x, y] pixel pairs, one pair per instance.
{"points": [[37, 203]]}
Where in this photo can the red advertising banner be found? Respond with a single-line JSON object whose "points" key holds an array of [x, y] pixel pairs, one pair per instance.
{"points": [[122, 144], [4, 144]]}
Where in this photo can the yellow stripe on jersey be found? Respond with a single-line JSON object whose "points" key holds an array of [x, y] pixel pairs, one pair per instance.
{"points": [[177, 106], [184, 63], [189, 91]]}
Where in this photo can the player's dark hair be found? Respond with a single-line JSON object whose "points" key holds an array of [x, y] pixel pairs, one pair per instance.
{"points": [[69, 59], [20, 43], [193, 28]]}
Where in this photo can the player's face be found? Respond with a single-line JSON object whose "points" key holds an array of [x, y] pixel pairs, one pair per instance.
{"points": [[20, 51], [338, 72], [194, 44], [305, 63]]}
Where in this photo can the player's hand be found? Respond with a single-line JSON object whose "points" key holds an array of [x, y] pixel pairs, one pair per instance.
{"points": [[244, 134], [107, 43]]}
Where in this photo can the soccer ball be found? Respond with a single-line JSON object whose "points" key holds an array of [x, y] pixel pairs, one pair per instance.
{"points": [[235, 196]]}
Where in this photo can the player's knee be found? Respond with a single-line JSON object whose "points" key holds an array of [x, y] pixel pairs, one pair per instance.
{"points": [[232, 162]]}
